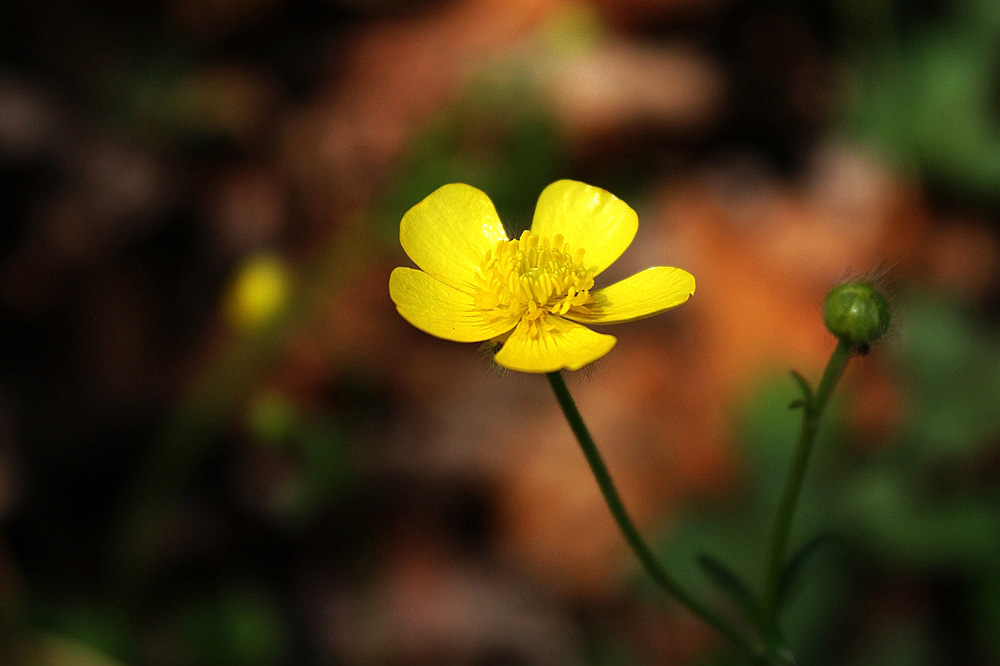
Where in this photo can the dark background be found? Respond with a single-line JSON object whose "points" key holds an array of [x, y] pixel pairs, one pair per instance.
{"points": [[219, 443]]}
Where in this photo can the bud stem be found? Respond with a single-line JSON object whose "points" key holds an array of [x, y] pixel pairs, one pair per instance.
{"points": [[811, 417], [628, 528]]}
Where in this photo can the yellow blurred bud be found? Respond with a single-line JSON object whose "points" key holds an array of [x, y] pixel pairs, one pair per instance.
{"points": [[258, 292]]}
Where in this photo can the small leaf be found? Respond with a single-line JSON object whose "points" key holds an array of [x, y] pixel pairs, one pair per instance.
{"points": [[795, 404], [791, 577], [730, 583], [783, 657], [807, 392]]}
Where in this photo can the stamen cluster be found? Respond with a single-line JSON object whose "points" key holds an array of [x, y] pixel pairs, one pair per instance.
{"points": [[532, 276]]}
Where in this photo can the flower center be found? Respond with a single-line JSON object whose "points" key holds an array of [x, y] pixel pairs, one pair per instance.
{"points": [[532, 276]]}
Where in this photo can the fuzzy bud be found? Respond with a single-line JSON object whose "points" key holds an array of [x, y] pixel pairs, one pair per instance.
{"points": [[856, 313]]}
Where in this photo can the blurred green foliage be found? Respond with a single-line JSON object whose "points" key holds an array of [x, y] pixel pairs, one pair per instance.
{"points": [[236, 626], [497, 136], [924, 507], [322, 469], [924, 90]]}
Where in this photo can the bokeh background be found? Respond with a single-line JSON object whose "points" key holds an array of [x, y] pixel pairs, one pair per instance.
{"points": [[219, 443]]}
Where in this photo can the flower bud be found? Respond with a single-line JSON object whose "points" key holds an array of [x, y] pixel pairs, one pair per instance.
{"points": [[856, 313], [258, 292]]}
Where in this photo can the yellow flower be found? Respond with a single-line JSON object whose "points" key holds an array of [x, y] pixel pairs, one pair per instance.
{"points": [[531, 293]]}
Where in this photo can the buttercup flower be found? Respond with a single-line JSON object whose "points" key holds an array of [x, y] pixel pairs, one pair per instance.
{"points": [[533, 293]]}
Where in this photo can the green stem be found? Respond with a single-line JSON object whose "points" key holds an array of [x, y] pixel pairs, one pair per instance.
{"points": [[628, 528], [812, 414]]}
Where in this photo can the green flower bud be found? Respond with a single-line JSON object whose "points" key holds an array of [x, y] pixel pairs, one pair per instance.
{"points": [[857, 313]]}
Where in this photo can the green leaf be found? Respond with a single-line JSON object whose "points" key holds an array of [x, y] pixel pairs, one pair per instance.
{"points": [[731, 583], [781, 656], [807, 392], [791, 577]]}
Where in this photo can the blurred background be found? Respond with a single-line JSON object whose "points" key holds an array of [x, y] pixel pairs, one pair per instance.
{"points": [[219, 443]]}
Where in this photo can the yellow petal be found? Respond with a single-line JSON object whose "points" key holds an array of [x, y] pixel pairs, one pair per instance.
{"points": [[441, 310], [587, 217], [449, 233], [567, 345], [645, 294]]}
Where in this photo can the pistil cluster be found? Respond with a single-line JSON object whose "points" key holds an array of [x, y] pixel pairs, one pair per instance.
{"points": [[531, 277]]}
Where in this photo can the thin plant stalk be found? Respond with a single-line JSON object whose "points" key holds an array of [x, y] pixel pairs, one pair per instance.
{"points": [[628, 528], [813, 407]]}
